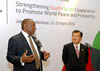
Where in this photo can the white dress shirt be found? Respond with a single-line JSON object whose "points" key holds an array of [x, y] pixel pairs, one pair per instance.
{"points": [[78, 46]]}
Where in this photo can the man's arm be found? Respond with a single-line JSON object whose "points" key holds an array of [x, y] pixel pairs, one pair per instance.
{"points": [[65, 55], [12, 53], [14, 58], [45, 55]]}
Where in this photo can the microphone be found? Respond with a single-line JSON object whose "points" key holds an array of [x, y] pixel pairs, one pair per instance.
{"points": [[38, 42], [88, 45]]}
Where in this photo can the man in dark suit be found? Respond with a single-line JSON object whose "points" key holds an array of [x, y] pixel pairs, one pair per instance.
{"points": [[24, 49], [75, 54]]}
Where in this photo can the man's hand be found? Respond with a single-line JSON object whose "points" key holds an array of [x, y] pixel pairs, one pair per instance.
{"points": [[46, 55], [27, 59]]}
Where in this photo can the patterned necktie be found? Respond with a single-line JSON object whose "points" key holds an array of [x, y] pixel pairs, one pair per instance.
{"points": [[77, 51], [37, 60]]}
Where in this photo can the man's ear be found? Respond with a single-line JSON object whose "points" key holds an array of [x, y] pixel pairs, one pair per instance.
{"points": [[81, 38]]}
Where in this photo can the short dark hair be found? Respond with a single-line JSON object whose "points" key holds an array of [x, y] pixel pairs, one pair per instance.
{"points": [[76, 31], [24, 22]]}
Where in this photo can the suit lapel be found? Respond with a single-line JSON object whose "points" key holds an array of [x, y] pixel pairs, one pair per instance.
{"points": [[35, 40], [81, 50], [74, 51], [38, 47], [25, 43]]}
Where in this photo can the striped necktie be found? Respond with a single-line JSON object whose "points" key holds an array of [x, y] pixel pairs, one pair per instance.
{"points": [[77, 51], [37, 60]]}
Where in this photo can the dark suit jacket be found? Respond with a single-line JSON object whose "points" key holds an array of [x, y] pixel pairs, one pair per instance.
{"points": [[16, 47], [70, 59]]}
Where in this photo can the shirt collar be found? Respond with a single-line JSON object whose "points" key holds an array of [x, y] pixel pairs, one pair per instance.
{"points": [[77, 45], [25, 34]]}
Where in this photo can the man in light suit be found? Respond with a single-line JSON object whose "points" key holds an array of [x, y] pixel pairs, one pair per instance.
{"points": [[22, 53], [75, 54]]}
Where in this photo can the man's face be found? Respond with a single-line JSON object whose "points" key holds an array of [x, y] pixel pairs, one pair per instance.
{"points": [[31, 27], [76, 38]]}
